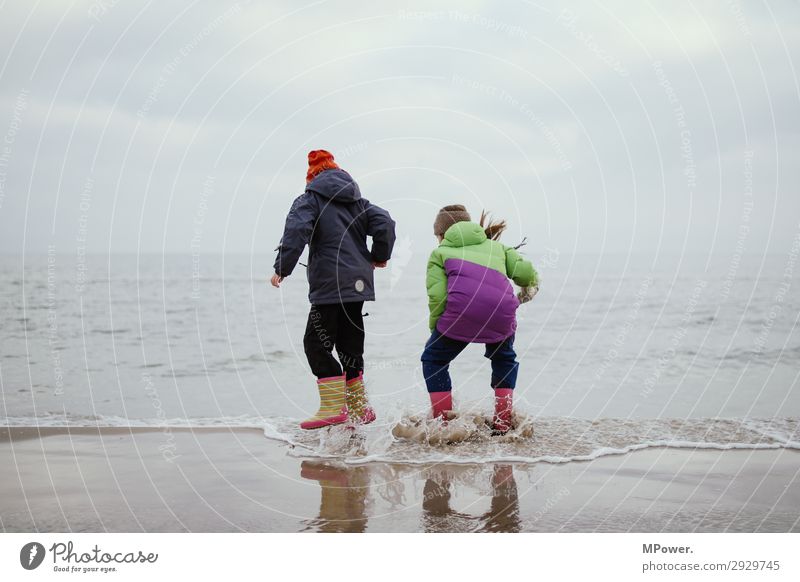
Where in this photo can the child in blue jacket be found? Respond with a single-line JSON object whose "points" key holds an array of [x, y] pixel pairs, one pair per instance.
{"points": [[334, 221]]}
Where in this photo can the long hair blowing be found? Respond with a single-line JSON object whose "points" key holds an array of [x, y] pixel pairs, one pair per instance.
{"points": [[492, 228]]}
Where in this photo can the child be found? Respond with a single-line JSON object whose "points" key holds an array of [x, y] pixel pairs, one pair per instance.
{"points": [[471, 300], [333, 219]]}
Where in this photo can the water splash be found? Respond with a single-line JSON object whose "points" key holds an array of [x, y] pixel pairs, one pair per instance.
{"points": [[467, 439], [415, 439]]}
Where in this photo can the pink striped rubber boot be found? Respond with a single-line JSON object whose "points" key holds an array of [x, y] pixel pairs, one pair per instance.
{"points": [[503, 403], [441, 403], [332, 408], [358, 408]]}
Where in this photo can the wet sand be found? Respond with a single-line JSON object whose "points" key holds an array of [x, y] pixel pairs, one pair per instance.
{"points": [[219, 479]]}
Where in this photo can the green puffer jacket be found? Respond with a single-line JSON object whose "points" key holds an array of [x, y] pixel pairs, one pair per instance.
{"points": [[469, 295]]}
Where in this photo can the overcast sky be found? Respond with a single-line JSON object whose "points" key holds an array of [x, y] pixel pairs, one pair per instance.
{"points": [[626, 126]]}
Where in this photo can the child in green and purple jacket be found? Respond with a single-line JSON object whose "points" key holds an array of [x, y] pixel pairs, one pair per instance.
{"points": [[471, 300]]}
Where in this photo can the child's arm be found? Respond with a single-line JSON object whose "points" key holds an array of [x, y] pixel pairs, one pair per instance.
{"points": [[380, 227], [519, 270], [299, 227], [436, 281]]}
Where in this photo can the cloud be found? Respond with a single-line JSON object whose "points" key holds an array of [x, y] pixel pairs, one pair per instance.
{"points": [[567, 122]]}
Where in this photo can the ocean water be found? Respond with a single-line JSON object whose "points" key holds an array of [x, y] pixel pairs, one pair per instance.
{"points": [[617, 352]]}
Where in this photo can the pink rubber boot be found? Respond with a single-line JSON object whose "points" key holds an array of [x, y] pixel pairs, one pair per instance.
{"points": [[358, 408], [442, 404], [503, 402], [332, 407]]}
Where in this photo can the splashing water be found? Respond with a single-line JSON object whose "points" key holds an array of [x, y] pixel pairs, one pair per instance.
{"points": [[463, 428], [468, 439]]}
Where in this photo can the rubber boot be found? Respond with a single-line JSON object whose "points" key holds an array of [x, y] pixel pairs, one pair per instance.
{"points": [[503, 402], [442, 404], [358, 408], [332, 408]]}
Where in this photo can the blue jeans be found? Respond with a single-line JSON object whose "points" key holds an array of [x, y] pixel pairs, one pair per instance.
{"points": [[440, 350]]}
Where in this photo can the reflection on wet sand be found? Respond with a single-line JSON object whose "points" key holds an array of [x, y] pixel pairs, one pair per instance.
{"points": [[503, 512], [121, 479], [342, 506], [345, 496]]}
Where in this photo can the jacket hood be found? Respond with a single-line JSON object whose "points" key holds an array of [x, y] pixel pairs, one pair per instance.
{"points": [[335, 185], [463, 234]]}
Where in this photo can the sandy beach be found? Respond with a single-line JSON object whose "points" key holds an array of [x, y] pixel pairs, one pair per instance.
{"points": [[219, 479]]}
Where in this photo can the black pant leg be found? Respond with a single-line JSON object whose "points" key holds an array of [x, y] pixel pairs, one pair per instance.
{"points": [[350, 338], [320, 339]]}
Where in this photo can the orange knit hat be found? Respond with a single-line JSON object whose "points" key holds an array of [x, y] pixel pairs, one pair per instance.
{"points": [[319, 160]]}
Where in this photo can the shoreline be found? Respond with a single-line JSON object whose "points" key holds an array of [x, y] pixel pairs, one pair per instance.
{"points": [[124, 479], [17, 433]]}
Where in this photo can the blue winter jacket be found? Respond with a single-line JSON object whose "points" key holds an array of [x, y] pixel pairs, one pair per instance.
{"points": [[334, 221]]}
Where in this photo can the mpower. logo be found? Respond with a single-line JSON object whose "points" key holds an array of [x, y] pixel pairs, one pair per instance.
{"points": [[31, 555]]}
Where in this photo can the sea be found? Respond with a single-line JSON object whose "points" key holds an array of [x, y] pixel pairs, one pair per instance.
{"points": [[617, 352]]}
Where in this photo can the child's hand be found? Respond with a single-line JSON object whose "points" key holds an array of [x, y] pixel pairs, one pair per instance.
{"points": [[276, 280], [527, 293], [379, 265]]}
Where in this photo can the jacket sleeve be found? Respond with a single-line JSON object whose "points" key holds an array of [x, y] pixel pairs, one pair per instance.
{"points": [[299, 227], [519, 270], [380, 227], [436, 282]]}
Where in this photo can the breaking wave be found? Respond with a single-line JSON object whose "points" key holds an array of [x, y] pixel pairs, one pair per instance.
{"points": [[414, 439]]}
